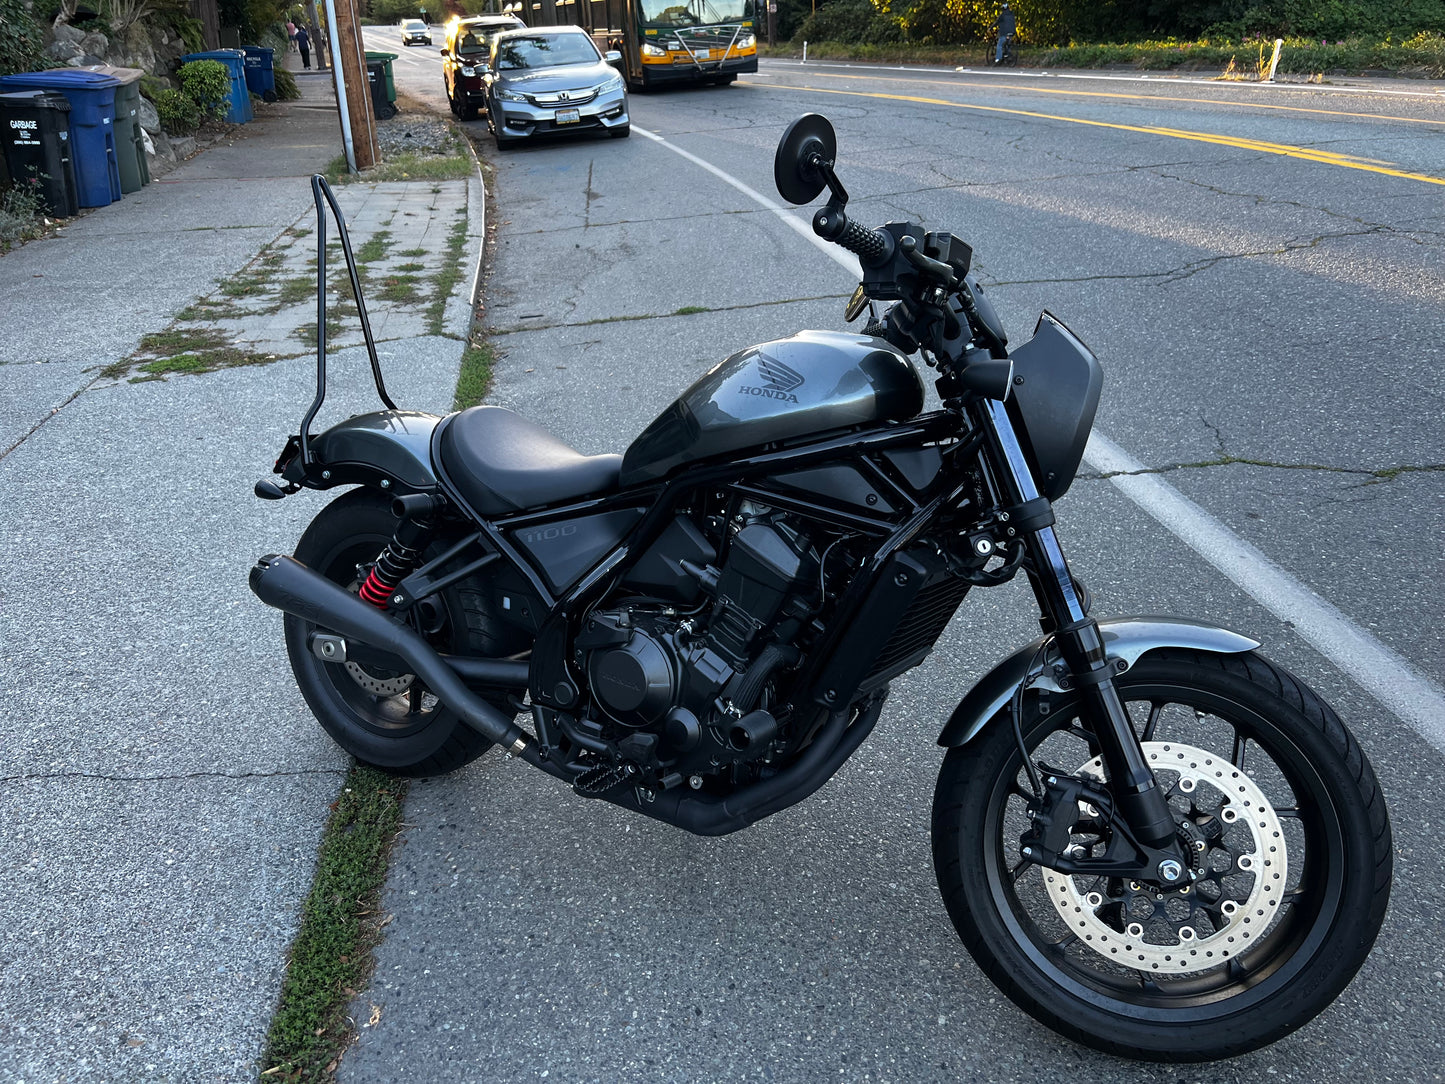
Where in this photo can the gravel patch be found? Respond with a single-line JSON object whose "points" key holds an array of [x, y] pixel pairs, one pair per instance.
{"points": [[411, 133]]}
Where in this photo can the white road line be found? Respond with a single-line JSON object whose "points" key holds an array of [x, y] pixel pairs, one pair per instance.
{"points": [[847, 260], [1433, 93], [1390, 679], [1409, 695]]}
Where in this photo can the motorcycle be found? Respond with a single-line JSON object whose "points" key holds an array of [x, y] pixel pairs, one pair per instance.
{"points": [[1151, 838]]}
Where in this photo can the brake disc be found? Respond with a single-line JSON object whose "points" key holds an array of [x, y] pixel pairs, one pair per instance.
{"points": [[1239, 870]]}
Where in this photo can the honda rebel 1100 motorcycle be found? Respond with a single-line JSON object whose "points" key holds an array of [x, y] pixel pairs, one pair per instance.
{"points": [[1150, 837]]}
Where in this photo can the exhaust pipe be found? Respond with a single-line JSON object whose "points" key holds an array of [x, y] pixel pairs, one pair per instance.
{"points": [[288, 585]]}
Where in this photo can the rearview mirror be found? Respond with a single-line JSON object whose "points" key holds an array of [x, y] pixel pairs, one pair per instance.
{"points": [[799, 181], [612, 56]]}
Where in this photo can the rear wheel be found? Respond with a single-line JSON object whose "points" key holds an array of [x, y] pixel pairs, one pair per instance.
{"points": [[1283, 820], [383, 717]]}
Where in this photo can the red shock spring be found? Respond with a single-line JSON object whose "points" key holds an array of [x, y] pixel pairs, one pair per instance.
{"points": [[395, 562]]}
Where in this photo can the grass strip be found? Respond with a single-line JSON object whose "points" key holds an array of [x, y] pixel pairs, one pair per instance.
{"points": [[331, 958], [475, 377], [447, 278]]}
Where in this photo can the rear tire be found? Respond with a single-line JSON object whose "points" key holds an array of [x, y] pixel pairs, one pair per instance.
{"points": [[1284, 822], [379, 717]]}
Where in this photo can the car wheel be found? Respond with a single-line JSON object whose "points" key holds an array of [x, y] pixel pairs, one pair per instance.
{"points": [[620, 133], [467, 111]]}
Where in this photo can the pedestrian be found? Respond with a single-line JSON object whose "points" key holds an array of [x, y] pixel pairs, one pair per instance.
{"points": [[1007, 27], [291, 35], [303, 42]]}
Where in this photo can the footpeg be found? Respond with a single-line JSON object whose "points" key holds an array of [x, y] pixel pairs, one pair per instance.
{"points": [[597, 781]]}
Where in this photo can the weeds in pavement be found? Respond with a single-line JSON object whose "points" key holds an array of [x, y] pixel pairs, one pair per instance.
{"points": [[22, 217], [448, 276], [475, 377], [341, 924]]}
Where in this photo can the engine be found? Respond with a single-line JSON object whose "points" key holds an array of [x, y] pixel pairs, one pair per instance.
{"points": [[693, 690]]}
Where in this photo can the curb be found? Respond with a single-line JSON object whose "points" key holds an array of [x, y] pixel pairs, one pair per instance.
{"points": [[476, 236]]}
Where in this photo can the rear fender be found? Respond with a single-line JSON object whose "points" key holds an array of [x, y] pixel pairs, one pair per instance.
{"points": [[1126, 640], [389, 449]]}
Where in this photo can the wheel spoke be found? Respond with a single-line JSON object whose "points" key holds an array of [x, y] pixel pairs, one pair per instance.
{"points": [[413, 696], [1156, 709], [1018, 870], [1237, 757], [1064, 942], [1288, 813]]}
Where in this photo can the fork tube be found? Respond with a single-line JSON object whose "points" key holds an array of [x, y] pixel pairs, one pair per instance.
{"points": [[1082, 647]]}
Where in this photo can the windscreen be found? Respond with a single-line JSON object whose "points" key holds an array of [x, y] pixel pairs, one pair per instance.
{"points": [[694, 12], [545, 51], [478, 39]]}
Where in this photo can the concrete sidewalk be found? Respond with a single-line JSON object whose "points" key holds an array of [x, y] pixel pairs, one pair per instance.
{"points": [[162, 786]]}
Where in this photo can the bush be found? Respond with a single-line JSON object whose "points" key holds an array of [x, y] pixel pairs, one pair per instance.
{"points": [[207, 83], [179, 113], [20, 41], [286, 88], [853, 22]]}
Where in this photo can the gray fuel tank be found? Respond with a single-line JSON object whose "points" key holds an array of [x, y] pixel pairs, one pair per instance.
{"points": [[809, 383]]}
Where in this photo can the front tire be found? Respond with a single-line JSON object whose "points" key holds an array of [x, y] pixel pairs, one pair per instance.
{"points": [[1275, 801], [386, 719]]}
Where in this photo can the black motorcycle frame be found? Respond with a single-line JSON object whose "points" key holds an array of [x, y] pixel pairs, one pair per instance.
{"points": [[985, 487]]}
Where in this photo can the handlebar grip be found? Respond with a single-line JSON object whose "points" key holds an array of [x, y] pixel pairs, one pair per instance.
{"points": [[873, 247]]}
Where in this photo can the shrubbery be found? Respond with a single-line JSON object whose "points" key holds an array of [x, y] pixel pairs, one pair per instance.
{"points": [[179, 113], [208, 84], [1060, 22], [286, 88], [19, 39]]}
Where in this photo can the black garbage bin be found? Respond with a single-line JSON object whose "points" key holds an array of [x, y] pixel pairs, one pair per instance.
{"points": [[381, 108], [35, 133]]}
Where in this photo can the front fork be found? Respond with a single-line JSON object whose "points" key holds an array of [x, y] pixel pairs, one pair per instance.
{"points": [[1136, 794]]}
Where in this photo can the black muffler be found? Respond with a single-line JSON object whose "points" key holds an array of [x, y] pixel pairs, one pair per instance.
{"points": [[288, 585]]}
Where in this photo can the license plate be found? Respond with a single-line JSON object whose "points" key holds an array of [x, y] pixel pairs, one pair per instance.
{"points": [[568, 116], [704, 54]]}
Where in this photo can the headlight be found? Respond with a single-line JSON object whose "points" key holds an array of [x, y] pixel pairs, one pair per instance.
{"points": [[612, 83], [511, 96], [468, 70], [748, 41], [648, 49]]}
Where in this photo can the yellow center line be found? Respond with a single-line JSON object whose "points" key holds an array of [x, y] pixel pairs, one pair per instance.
{"points": [[1285, 149], [1136, 97]]}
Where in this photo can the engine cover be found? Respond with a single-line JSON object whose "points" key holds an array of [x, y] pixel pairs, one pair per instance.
{"points": [[635, 682]]}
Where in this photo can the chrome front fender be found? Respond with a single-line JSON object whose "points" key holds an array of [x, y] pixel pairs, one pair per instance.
{"points": [[1126, 639]]}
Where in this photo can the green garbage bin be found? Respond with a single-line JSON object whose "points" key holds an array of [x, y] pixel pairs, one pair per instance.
{"points": [[130, 147], [390, 82]]}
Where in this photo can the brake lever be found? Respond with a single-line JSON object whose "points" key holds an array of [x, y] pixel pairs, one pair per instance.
{"points": [[935, 269]]}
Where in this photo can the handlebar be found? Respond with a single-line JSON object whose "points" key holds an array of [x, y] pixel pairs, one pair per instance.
{"points": [[873, 247]]}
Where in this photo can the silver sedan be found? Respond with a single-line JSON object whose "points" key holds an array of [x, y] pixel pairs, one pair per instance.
{"points": [[553, 80]]}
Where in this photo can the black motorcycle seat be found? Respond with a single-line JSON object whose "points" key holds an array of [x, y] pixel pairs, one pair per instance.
{"points": [[501, 462]]}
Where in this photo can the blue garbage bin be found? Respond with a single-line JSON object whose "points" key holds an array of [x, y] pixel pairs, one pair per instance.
{"points": [[92, 127], [260, 72], [239, 111]]}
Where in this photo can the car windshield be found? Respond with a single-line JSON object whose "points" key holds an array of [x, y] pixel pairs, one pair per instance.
{"points": [[694, 12], [416, 24], [478, 39], [545, 51]]}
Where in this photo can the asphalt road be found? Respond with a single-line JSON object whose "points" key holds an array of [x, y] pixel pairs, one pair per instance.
{"points": [[1258, 269]]}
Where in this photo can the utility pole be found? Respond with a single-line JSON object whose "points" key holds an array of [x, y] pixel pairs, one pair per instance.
{"points": [[352, 75], [772, 17], [318, 47]]}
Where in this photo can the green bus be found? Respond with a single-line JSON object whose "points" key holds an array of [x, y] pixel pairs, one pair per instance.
{"points": [[662, 42]]}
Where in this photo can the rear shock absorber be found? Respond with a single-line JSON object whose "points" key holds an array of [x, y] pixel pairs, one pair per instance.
{"points": [[403, 552]]}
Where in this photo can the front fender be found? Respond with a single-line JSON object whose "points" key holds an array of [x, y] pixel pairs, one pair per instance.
{"points": [[1126, 640]]}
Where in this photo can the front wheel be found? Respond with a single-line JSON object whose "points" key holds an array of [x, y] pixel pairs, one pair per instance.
{"points": [[1286, 828]]}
